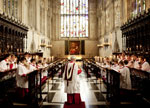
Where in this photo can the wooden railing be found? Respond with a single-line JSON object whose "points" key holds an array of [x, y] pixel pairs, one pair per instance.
{"points": [[35, 81], [7, 85], [140, 81], [113, 86]]}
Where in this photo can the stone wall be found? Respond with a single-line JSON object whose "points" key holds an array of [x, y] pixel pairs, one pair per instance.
{"points": [[58, 49], [43, 19], [35, 14], [111, 15], [58, 43], [109, 22]]}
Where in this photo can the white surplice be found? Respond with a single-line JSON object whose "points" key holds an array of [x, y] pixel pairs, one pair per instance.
{"points": [[136, 64], [45, 73], [4, 66], [21, 79], [145, 67], [32, 67], [125, 80], [115, 67], [73, 85]]}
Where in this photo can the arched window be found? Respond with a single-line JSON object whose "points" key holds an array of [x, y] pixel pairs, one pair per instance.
{"points": [[11, 7], [74, 18], [138, 6], [144, 5]]}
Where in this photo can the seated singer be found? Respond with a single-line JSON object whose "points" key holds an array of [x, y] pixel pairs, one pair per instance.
{"points": [[72, 82]]}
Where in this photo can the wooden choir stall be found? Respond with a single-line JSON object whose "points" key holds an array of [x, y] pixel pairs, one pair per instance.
{"points": [[111, 78], [136, 35], [36, 85], [13, 35]]}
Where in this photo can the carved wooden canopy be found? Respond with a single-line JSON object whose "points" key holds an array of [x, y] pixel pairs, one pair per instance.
{"points": [[12, 35]]}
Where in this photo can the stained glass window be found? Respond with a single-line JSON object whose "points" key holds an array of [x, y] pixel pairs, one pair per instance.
{"points": [[74, 18], [138, 7], [144, 5], [134, 5]]}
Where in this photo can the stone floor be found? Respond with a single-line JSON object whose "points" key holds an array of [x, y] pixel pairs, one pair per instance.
{"points": [[91, 93]]}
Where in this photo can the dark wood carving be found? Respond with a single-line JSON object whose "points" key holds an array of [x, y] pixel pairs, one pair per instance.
{"points": [[136, 34], [12, 35]]}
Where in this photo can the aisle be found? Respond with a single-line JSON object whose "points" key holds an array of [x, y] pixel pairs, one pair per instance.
{"points": [[90, 93]]}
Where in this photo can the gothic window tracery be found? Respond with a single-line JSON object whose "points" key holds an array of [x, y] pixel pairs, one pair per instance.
{"points": [[74, 18]]}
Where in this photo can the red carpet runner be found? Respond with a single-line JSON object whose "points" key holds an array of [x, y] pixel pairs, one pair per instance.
{"points": [[81, 105]]}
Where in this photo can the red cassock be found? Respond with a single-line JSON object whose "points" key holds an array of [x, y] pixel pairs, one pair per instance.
{"points": [[22, 92], [11, 66]]}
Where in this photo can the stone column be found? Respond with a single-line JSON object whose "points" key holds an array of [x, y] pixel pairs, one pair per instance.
{"points": [[19, 6], [58, 20], [113, 3], [54, 20], [6, 11], [50, 28], [44, 20], [92, 19], [10, 8], [45, 24], [147, 4], [1, 6], [31, 13], [128, 8], [16, 2], [24, 12], [37, 8], [40, 20], [125, 10], [34, 15]]}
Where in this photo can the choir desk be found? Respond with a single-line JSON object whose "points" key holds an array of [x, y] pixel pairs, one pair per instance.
{"points": [[140, 83], [112, 80], [7, 87], [36, 85]]}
